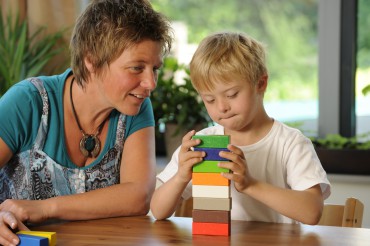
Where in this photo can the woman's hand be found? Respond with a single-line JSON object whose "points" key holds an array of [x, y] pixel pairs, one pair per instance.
{"points": [[238, 166], [8, 224], [187, 157], [34, 211]]}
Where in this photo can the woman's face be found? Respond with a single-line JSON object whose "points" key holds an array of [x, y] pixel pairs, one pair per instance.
{"points": [[128, 80]]}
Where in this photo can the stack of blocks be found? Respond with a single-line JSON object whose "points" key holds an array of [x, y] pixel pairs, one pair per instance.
{"points": [[37, 238], [211, 191]]}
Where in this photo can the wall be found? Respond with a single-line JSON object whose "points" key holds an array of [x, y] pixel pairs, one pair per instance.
{"points": [[344, 186]]}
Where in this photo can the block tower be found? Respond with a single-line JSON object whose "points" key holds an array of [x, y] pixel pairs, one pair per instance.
{"points": [[211, 191]]}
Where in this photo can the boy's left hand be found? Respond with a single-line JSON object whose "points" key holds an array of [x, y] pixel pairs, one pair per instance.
{"points": [[238, 166]]}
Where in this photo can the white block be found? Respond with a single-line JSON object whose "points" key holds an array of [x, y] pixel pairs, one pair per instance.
{"points": [[211, 191]]}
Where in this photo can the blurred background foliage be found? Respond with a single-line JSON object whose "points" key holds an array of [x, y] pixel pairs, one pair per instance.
{"points": [[288, 28]]}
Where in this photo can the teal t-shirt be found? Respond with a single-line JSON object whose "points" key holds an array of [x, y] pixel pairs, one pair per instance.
{"points": [[20, 116]]}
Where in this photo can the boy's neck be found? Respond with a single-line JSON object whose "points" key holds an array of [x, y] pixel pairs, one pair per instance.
{"points": [[252, 135]]}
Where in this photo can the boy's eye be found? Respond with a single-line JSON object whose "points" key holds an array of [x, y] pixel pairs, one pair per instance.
{"points": [[209, 100], [233, 95]]}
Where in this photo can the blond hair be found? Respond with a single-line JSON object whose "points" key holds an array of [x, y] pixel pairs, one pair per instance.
{"points": [[224, 56], [107, 27]]}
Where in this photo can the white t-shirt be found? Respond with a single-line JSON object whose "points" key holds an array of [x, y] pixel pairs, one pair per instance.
{"points": [[284, 158]]}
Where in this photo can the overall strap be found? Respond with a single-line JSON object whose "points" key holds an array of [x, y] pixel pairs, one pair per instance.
{"points": [[42, 131], [120, 133]]}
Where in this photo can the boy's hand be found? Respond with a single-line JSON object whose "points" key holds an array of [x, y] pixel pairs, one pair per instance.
{"points": [[187, 157], [238, 166]]}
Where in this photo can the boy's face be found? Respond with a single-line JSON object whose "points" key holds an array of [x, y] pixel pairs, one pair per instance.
{"points": [[235, 105]]}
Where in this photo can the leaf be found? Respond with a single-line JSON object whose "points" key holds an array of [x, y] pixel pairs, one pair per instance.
{"points": [[22, 56], [366, 90]]}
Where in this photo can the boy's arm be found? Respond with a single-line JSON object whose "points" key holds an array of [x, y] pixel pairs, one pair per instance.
{"points": [[304, 206], [168, 196]]}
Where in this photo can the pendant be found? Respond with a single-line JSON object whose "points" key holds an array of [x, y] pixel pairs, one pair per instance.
{"points": [[90, 145]]}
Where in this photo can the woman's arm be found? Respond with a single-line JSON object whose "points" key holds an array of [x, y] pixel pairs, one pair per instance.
{"points": [[5, 153], [130, 197]]}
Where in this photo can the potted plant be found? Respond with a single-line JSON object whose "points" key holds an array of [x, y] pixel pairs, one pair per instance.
{"points": [[177, 106], [22, 56], [343, 155]]}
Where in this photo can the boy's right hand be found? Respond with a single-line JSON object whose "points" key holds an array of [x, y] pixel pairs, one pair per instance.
{"points": [[8, 224], [187, 157]]}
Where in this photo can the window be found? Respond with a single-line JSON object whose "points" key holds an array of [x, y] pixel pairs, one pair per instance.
{"points": [[290, 35], [363, 68]]}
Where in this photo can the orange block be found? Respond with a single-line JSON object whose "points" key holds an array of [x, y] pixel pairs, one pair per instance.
{"points": [[209, 179], [215, 229]]}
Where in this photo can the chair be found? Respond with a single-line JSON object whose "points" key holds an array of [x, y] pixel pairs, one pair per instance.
{"points": [[185, 209], [348, 215]]}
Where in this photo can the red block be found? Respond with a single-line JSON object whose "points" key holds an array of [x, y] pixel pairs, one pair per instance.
{"points": [[215, 229]]}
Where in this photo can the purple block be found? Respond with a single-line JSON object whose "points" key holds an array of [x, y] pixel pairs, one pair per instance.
{"points": [[212, 154], [30, 240]]}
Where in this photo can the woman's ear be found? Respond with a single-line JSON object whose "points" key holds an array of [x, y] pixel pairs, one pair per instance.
{"points": [[89, 64]]}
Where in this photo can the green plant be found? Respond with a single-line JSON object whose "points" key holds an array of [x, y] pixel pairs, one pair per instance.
{"points": [[366, 90], [336, 141], [177, 102], [22, 56]]}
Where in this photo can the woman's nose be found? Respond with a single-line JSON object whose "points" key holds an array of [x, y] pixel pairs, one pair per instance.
{"points": [[149, 81]]}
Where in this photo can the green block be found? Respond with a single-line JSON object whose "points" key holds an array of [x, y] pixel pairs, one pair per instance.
{"points": [[209, 167], [213, 141]]}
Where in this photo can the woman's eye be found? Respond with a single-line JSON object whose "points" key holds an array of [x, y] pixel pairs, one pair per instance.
{"points": [[137, 69]]}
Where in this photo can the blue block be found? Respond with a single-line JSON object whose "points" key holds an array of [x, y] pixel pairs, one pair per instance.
{"points": [[29, 240], [212, 154]]}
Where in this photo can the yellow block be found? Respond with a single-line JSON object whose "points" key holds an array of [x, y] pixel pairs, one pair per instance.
{"points": [[209, 179], [52, 236]]}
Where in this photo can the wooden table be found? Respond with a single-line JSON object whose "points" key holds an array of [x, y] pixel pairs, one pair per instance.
{"points": [[145, 230]]}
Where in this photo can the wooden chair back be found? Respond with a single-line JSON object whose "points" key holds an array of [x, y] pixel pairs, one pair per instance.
{"points": [[348, 215]]}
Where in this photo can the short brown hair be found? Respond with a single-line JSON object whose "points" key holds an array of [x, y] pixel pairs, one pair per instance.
{"points": [[107, 27], [226, 55]]}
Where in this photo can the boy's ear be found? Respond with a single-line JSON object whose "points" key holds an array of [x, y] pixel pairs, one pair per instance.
{"points": [[262, 83]]}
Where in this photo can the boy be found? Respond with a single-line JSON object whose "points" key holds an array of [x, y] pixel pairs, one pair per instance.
{"points": [[275, 175]]}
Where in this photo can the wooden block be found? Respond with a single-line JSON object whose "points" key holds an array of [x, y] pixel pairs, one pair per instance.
{"points": [[211, 191], [209, 167], [212, 154], [211, 216], [213, 141], [205, 203], [209, 179], [52, 236], [30, 240], [219, 229]]}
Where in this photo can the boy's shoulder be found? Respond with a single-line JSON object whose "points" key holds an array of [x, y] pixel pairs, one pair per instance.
{"points": [[289, 133]]}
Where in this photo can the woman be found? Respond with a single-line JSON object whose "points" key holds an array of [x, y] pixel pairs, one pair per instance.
{"points": [[80, 145]]}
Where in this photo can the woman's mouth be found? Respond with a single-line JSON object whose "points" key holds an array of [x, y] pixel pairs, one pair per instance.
{"points": [[139, 96]]}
